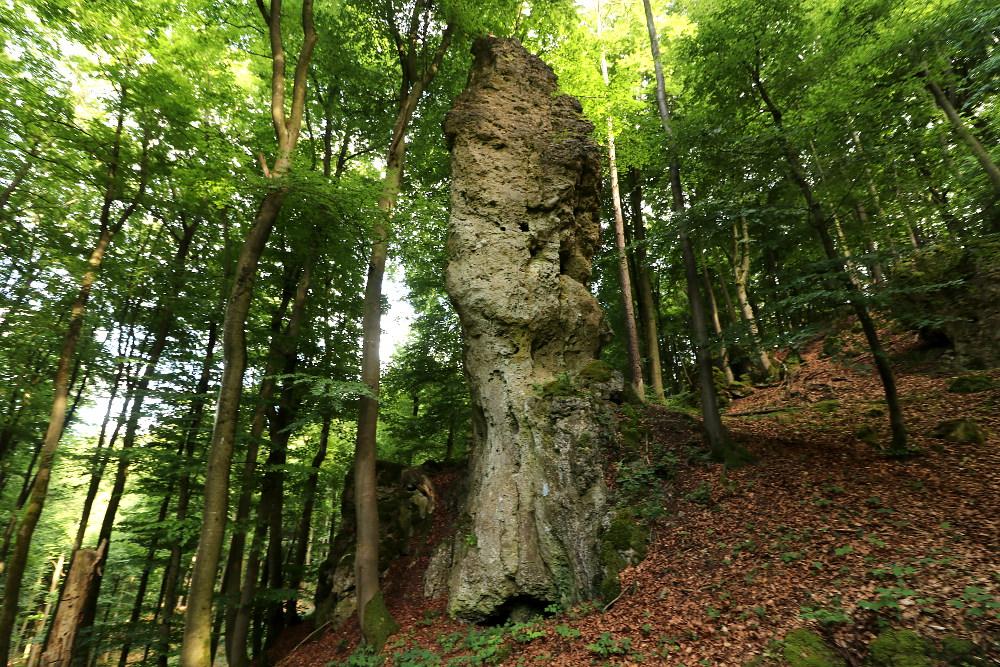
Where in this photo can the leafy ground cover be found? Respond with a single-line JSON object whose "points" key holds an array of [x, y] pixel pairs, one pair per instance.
{"points": [[824, 533]]}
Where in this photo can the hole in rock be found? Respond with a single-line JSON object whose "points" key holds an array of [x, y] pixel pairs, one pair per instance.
{"points": [[520, 609], [524, 227]]}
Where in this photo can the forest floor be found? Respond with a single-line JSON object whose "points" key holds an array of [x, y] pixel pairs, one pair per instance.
{"points": [[823, 532]]}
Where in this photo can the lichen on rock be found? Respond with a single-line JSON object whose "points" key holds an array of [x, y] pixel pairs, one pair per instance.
{"points": [[523, 230]]}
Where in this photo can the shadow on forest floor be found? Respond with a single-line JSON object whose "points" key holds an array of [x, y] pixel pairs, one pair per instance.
{"points": [[823, 533]]}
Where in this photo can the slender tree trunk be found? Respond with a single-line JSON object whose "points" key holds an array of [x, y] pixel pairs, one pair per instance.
{"points": [[140, 593], [166, 319], [196, 650], [644, 294], [722, 446], [232, 581], [283, 349], [631, 336], [741, 269], [713, 311], [818, 220], [963, 131], [172, 575], [373, 616], [296, 568], [39, 488]]}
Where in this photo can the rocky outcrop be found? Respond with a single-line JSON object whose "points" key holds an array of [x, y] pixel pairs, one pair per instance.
{"points": [[524, 227], [406, 499], [952, 297]]}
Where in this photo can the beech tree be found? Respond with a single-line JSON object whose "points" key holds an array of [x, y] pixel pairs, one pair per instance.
{"points": [[287, 124]]}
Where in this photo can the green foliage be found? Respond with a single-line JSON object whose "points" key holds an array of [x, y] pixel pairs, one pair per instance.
{"points": [[608, 645], [828, 616]]}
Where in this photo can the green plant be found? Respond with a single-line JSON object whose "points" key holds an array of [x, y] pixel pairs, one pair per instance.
{"points": [[566, 632], [363, 656], [416, 656], [827, 617], [526, 632], [702, 496], [975, 601], [606, 645]]}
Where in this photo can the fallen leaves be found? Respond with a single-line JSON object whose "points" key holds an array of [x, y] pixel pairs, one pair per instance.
{"points": [[822, 522]]}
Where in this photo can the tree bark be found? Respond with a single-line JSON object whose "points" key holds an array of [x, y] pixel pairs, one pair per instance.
{"points": [[713, 310], [631, 336], [283, 348], [898, 445], [963, 131], [196, 650], [722, 446], [172, 575], [741, 269], [69, 613], [644, 294], [366, 571]]}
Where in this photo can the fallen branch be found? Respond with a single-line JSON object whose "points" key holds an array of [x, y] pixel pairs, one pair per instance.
{"points": [[308, 637], [630, 587]]}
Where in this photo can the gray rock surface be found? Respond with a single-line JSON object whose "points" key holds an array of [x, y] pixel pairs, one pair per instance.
{"points": [[524, 227]]}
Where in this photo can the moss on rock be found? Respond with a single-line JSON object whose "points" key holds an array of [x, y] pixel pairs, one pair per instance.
{"points": [[596, 372], [958, 651], [971, 383], [961, 430], [806, 649], [622, 544], [899, 648]]}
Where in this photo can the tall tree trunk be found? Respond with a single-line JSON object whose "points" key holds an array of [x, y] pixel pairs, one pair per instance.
{"points": [[283, 351], [303, 529], [166, 320], [963, 131], [232, 581], [631, 336], [61, 646], [61, 386], [140, 593], [713, 311], [373, 616], [722, 446], [818, 220], [741, 270], [644, 293], [172, 575], [196, 650]]}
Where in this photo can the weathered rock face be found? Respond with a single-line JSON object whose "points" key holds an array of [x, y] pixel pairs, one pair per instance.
{"points": [[406, 498], [967, 308], [524, 228]]}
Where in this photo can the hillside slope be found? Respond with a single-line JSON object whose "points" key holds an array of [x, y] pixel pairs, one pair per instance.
{"points": [[823, 533]]}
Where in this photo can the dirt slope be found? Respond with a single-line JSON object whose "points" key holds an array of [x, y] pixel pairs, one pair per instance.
{"points": [[823, 533]]}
